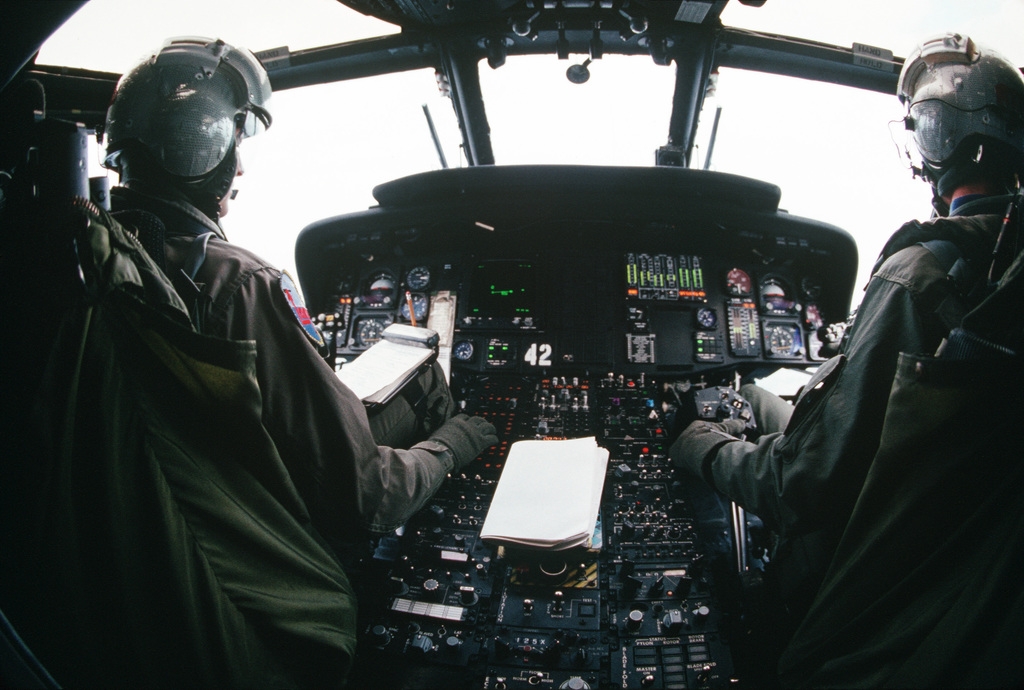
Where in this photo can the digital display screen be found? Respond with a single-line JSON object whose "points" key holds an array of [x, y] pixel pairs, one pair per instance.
{"points": [[503, 289]]}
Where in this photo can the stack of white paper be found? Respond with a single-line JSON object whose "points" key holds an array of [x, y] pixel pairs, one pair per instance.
{"points": [[380, 372], [548, 495]]}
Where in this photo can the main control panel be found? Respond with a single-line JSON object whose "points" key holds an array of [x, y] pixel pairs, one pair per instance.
{"points": [[573, 303], [634, 311], [643, 608]]}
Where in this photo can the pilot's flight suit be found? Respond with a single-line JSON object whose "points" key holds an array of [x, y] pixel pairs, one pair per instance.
{"points": [[803, 481], [321, 429]]}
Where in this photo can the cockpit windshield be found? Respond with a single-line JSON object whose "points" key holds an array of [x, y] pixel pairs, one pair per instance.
{"points": [[618, 116], [836, 152]]}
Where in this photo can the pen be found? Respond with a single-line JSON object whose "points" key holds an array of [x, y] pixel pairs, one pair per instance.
{"points": [[412, 314]]}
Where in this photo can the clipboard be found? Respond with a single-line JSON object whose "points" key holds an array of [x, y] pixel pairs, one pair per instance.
{"points": [[402, 354]]}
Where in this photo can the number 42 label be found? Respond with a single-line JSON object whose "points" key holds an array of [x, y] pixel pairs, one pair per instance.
{"points": [[538, 355]]}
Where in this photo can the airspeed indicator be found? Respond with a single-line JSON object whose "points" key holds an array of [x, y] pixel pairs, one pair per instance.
{"points": [[417, 278]]}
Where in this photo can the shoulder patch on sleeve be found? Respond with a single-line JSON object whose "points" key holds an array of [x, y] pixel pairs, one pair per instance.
{"points": [[295, 303]]}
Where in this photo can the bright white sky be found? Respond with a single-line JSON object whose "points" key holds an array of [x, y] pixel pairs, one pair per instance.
{"points": [[830, 149]]}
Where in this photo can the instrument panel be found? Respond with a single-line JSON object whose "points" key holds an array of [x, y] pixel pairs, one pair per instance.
{"points": [[573, 302], [632, 311], [584, 269]]}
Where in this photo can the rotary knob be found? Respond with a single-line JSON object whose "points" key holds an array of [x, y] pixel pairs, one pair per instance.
{"points": [[468, 595], [432, 589], [380, 636]]}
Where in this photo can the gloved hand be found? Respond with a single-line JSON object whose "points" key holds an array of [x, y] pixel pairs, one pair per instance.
{"points": [[685, 404], [732, 427], [465, 437], [700, 441]]}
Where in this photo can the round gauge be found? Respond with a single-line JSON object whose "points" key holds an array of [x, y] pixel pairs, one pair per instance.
{"points": [[417, 278], [463, 350], [707, 318], [811, 287], [370, 331], [380, 291], [780, 340], [737, 282], [419, 307], [775, 297]]}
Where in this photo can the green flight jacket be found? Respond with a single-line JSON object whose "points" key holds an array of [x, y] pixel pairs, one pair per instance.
{"points": [[924, 588], [354, 481], [803, 482], [151, 534]]}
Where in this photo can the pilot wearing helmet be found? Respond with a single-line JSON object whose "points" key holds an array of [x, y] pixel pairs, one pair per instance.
{"points": [[173, 131], [965, 108]]}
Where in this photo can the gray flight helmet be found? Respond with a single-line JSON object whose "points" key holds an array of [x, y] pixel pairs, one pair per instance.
{"points": [[964, 102], [184, 104]]}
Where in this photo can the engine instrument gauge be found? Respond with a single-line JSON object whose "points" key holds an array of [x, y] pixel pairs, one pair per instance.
{"points": [[369, 332], [737, 282], [463, 350], [418, 278], [419, 308]]}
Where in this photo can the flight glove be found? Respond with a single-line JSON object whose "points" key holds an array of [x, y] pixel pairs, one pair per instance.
{"points": [[699, 443], [465, 437]]}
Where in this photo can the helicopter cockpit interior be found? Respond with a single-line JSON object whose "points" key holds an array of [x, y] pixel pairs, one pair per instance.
{"points": [[571, 300]]}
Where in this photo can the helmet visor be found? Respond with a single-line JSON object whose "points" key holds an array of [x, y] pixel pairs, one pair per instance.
{"points": [[939, 128], [249, 123], [256, 85]]}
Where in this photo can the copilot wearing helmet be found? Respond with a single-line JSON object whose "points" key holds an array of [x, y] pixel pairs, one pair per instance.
{"points": [[965, 108], [177, 118], [173, 132], [803, 477]]}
